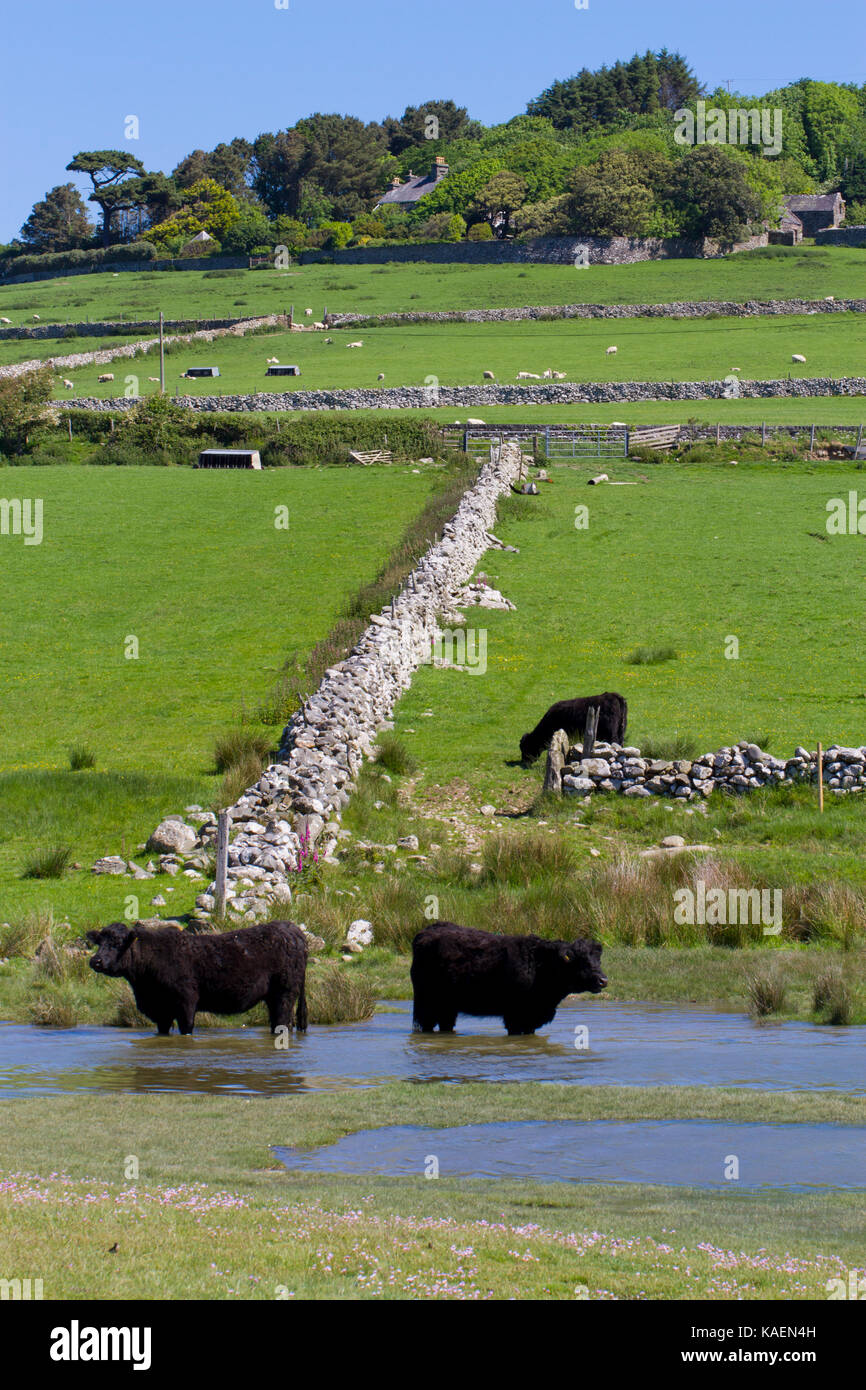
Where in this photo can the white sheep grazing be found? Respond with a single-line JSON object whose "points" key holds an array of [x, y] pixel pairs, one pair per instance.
{"points": [[273, 361], [153, 378], [106, 376], [354, 344], [526, 376], [736, 369], [470, 421], [548, 374], [559, 376], [36, 317], [381, 376], [797, 357], [829, 299], [5, 320], [489, 376], [70, 385], [608, 352], [308, 313], [319, 325], [329, 340]]}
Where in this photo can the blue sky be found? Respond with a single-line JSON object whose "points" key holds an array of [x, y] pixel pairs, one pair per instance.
{"points": [[203, 71]]}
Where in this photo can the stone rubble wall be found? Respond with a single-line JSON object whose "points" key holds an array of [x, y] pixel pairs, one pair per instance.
{"points": [[545, 250], [102, 356], [547, 393], [325, 742], [679, 309], [105, 327], [740, 768]]}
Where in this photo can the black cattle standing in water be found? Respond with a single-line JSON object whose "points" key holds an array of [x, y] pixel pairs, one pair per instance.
{"points": [[520, 979], [570, 715], [175, 973]]}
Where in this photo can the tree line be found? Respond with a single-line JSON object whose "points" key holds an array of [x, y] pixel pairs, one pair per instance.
{"points": [[595, 154]]}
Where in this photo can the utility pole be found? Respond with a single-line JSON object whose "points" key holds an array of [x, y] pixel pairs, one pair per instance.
{"points": [[161, 356]]}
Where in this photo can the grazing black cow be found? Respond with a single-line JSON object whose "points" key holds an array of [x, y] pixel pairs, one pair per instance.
{"points": [[570, 715], [520, 979], [175, 973]]}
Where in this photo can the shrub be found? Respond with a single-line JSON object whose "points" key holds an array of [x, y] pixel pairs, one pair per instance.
{"points": [[831, 998], [480, 231], [394, 756], [766, 993], [47, 863], [651, 656], [238, 778], [335, 995], [80, 757], [238, 746]]}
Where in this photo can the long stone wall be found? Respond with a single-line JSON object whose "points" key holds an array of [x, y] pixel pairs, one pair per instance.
{"points": [[325, 742], [548, 250], [103, 328], [679, 309], [841, 236], [553, 393], [740, 768], [102, 356]]}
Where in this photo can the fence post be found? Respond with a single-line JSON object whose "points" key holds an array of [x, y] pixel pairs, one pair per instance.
{"points": [[812, 440], [763, 433], [466, 439], [820, 777], [589, 731], [859, 437], [222, 863], [547, 442]]}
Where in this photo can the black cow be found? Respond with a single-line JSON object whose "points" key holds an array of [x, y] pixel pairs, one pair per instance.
{"points": [[175, 973], [520, 979], [570, 715]]}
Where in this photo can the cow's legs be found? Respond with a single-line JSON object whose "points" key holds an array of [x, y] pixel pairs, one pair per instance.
{"points": [[281, 1007], [163, 1023], [518, 1027], [447, 1020], [185, 1015]]}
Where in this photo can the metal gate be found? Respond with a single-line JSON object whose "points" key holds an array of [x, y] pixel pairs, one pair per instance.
{"points": [[586, 441]]}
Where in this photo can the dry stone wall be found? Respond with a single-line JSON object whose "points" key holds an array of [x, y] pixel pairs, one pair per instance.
{"points": [[740, 768]]}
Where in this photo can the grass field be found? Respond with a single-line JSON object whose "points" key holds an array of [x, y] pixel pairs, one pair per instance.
{"points": [[192, 566], [459, 354], [803, 272], [216, 1218]]}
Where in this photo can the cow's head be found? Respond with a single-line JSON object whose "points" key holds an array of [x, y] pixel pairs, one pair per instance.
{"points": [[581, 960], [528, 753], [112, 944]]}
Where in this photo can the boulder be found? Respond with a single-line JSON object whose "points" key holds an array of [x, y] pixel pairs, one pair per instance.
{"points": [[172, 836]]}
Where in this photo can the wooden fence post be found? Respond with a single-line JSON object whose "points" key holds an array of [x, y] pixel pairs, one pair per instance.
{"points": [[812, 440], [222, 863], [763, 433], [590, 730], [820, 778]]}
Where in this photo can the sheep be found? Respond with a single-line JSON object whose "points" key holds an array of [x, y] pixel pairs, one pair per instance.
{"points": [[489, 376], [829, 299], [329, 340], [70, 385], [106, 376], [547, 374], [5, 320], [797, 357], [319, 325], [381, 376], [273, 361], [470, 421], [559, 376], [355, 344], [525, 376], [608, 352], [308, 313], [153, 378], [736, 369]]}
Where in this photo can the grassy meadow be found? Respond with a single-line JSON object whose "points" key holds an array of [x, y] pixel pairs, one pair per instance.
{"points": [[808, 272], [192, 567], [459, 354]]}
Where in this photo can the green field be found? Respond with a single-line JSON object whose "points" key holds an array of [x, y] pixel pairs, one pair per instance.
{"points": [[807, 272], [218, 1218], [459, 354], [192, 565]]}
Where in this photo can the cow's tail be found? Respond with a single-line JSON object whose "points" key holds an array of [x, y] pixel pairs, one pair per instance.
{"points": [[624, 721], [301, 1010]]}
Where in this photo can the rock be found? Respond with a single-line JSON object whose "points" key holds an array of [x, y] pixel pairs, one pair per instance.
{"points": [[111, 864], [159, 901], [408, 842], [488, 810], [172, 836], [672, 842], [359, 935]]}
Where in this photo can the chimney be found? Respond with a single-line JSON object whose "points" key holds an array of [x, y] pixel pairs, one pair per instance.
{"points": [[396, 183], [440, 168]]}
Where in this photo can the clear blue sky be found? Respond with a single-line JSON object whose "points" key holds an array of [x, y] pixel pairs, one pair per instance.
{"points": [[199, 71]]}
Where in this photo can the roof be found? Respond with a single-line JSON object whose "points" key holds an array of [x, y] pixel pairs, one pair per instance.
{"points": [[812, 202], [417, 186]]}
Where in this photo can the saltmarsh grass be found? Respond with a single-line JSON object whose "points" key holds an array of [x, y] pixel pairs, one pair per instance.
{"points": [[766, 991], [335, 995]]}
